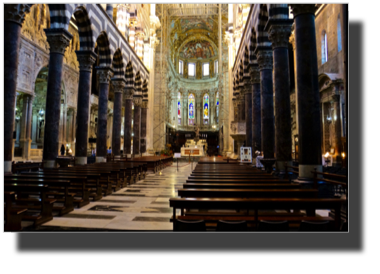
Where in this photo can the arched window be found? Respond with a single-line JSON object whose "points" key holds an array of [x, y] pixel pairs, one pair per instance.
{"points": [[339, 32], [179, 108], [324, 47], [217, 107], [206, 108], [191, 109]]}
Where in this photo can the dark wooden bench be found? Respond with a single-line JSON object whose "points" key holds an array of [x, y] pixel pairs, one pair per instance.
{"points": [[58, 189], [92, 183], [77, 184], [39, 209], [102, 178], [256, 204], [20, 167], [239, 181], [241, 186], [12, 213]]}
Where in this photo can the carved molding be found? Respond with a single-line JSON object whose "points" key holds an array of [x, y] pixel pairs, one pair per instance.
{"points": [[105, 75], [298, 9], [118, 85], [86, 60], [279, 36], [16, 12], [255, 74], [137, 101], [58, 40], [265, 59]]}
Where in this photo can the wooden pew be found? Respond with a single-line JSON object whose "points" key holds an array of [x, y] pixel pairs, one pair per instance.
{"points": [[256, 204], [238, 181], [98, 177], [92, 180], [39, 210], [241, 186], [77, 184], [59, 189], [12, 213]]}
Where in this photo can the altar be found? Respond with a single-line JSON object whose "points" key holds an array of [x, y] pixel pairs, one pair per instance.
{"points": [[193, 148]]}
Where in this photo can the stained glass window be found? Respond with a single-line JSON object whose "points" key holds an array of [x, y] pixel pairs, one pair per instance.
{"points": [[179, 108], [191, 109], [324, 47], [206, 108], [339, 35]]}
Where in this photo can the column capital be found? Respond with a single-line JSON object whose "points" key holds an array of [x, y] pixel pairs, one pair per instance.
{"points": [[16, 12], [279, 35], [58, 39], [265, 59], [105, 74], [118, 84], [255, 74], [144, 104], [298, 9], [128, 92], [137, 101], [235, 102], [86, 59]]}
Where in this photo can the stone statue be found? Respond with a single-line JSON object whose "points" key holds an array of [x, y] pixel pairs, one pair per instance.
{"points": [[196, 133]]}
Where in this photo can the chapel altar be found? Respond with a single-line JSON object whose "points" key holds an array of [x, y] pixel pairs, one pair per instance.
{"points": [[194, 148]]}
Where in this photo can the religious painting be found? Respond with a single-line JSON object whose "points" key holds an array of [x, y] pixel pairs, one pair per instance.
{"points": [[196, 23], [205, 107], [198, 50]]}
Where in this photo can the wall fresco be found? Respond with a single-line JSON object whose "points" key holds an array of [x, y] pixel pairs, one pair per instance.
{"points": [[198, 50]]}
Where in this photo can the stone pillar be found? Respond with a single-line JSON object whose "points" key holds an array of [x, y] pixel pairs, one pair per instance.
{"points": [[241, 107], [105, 74], [86, 60], [337, 128], [185, 108], [248, 113], [58, 40], [128, 95], [14, 17], [308, 92], [116, 127], [74, 130], [137, 101], [265, 61], [279, 36], [26, 126], [144, 109], [256, 108], [109, 11]]}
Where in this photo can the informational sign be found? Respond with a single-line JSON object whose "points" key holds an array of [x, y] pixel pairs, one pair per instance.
{"points": [[246, 155], [177, 155]]}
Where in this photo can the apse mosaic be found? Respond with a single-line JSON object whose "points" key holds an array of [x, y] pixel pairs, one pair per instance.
{"points": [[187, 24], [199, 50]]}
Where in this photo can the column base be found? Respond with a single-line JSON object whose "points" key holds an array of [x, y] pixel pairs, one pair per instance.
{"points": [[7, 167], [49, 163], [80, 161], [305, 171], [100, 159], [280, 166]]}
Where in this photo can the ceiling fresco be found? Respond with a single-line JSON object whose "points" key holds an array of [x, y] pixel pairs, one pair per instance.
{"points": [[196, 23], [198, 50]]}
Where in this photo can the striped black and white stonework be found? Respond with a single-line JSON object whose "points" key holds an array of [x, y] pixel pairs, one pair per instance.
{"points": [[129, 76], [117, 65]]}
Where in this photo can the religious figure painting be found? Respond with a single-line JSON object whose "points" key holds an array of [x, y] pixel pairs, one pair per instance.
{"points": [[198, 50], [196, 23]]}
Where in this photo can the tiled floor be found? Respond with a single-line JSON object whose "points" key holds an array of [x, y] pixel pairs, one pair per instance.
{"points": [[141, 206]]}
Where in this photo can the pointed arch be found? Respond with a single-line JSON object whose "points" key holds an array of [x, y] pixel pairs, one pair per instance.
{"points": [[145, 90], [104, 50], [86, 36], [262, 38], [129, 76], [252, 47], [118, 65], [138, 92], [278, 11]]}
